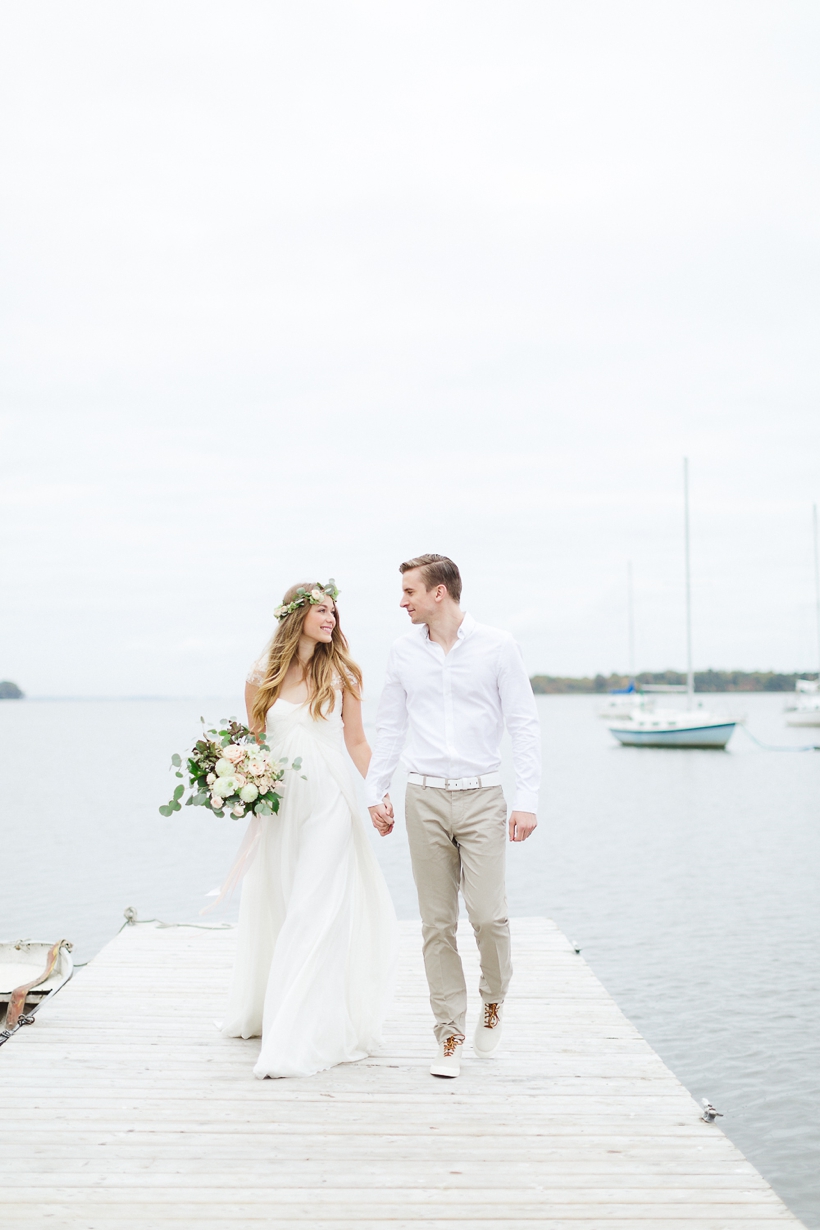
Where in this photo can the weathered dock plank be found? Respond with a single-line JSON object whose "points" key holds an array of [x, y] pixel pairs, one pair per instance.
{"points": [[124, 1109]]}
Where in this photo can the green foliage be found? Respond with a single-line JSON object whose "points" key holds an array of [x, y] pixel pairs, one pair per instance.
{"points": [[705, 681], [200, 764]]}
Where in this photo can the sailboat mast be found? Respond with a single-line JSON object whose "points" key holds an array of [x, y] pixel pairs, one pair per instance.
{"points": [[816, 586], [631, 613], [690, 675]]}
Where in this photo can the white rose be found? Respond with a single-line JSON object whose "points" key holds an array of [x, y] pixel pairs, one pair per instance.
{"points": [[240, 779], [217, 802], [249, 793], [223, 767], [239, 811], [317, 595], [210, 779], [233, 752], [256, 767]]}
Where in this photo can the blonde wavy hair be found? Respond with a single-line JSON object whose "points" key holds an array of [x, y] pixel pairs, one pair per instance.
{"points": [[330, 666]]}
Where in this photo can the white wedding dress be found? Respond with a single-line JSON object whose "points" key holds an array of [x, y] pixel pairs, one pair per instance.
{"points": [[317, 931]]}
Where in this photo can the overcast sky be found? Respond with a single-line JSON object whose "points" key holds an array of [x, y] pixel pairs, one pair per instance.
{"points": [[298, 290]]}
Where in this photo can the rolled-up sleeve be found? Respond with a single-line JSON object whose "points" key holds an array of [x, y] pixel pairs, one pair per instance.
{"points": [[521, 719], [391, 728]]}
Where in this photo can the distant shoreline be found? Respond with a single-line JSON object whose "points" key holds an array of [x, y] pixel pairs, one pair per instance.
{"points": [[705, 681]]}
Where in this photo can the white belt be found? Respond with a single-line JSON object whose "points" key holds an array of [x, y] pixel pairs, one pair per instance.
{"points": [[455, 783]]}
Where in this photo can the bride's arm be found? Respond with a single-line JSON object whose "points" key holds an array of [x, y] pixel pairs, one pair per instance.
{"points": [[355, 739], [250, 692]]}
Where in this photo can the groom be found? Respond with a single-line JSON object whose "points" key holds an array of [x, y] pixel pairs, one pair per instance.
{"points": [[452, 685]]}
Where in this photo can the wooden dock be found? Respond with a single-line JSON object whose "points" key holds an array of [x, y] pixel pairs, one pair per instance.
{"points": [[124, 1109]]}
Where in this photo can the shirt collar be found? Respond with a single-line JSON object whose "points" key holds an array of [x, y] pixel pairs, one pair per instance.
{"points": [[468, 626]]}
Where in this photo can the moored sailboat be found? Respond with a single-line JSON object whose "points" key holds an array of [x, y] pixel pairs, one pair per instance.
{"points": [[694, 726], [805, 709]]}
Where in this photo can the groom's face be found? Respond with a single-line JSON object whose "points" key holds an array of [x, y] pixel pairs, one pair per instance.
{"points": [[418, 601]]}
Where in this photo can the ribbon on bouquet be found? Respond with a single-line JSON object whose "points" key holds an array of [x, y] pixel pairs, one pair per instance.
{"points": [[245, 856]]}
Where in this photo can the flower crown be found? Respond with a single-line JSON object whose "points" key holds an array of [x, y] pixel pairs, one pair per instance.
{"points": [[319, 593]]}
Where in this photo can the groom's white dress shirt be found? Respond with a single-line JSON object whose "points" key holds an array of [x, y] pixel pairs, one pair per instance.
{"points": [[452, 709]]}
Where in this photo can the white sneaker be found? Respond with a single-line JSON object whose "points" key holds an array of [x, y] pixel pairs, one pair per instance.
{"points": [[487, 1036], [448, 1060]]}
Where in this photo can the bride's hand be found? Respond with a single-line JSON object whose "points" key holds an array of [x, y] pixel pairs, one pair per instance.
{"points": [[382, 817]]}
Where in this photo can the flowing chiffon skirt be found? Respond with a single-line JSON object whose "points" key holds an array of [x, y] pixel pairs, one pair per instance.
{"points": [[317, 933]]}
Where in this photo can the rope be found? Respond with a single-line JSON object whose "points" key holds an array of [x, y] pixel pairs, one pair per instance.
{"points": [[132, 920], [779, 747]]}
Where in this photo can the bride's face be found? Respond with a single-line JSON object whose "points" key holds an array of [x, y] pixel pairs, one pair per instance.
{"points": [[320, 622]]}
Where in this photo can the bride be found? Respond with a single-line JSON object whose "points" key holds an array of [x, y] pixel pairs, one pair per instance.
{"points": [[317, 929]]}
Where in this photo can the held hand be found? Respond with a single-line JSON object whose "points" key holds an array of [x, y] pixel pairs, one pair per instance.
{"points": [[522, 824], [382, 817]]}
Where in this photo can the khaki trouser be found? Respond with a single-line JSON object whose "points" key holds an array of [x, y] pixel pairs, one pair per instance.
{"points": [[459, 838]]}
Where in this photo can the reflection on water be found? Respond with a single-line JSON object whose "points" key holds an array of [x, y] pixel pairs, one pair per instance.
{"points": [[688, 878]]}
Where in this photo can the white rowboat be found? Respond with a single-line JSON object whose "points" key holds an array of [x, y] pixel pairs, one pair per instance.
{"points": [[30, 971]]}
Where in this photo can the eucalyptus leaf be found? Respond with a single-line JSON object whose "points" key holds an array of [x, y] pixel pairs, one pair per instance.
{"points": [[176, 759], [178, 792], [165, 810]]}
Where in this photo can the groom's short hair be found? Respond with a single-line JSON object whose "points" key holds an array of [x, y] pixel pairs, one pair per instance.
{"points": [[436, 570]]}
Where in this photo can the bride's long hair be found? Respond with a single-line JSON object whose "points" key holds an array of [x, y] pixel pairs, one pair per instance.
{"points": [[330, 665]]}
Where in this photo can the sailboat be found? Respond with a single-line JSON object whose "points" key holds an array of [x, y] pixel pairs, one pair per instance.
{"points": [[805, 711], [623, 702], [693, 726], [805, 708]]}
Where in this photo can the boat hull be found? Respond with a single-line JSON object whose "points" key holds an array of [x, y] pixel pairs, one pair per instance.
{"points": [[805, 717], [716, 736]]}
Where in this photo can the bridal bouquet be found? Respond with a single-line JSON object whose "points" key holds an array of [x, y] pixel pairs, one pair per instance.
{"points": [[229, 770]]}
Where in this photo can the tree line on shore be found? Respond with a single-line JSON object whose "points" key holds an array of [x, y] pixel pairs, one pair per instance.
{"points": [[705, 681]]}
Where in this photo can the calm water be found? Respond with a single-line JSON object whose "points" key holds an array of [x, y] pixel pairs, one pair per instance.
{"points": [[690, 880]]}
